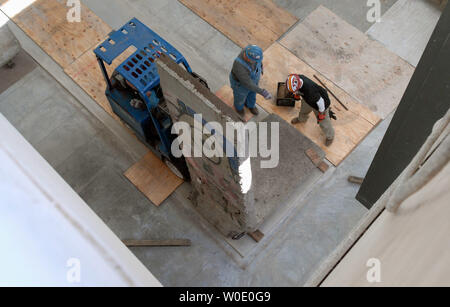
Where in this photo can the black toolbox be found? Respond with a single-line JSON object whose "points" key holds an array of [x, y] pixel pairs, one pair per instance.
{"points": [[284, 97]]}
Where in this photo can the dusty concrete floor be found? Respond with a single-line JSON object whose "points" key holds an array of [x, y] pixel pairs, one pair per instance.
{"points": [[352, 11], [92, 161]]}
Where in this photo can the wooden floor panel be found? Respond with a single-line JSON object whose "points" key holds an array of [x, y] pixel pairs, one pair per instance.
{"points": [[45, 21], [248, 22], [153, 178]]}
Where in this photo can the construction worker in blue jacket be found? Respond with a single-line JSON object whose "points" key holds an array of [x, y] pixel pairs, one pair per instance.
{"points": [[244, 78]]}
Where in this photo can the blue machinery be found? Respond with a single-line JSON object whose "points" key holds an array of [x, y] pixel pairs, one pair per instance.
{"points": [[134, 90]]}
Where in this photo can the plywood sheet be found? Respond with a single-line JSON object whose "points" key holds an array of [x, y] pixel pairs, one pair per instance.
{"points": [[258, 22], [86, 72], [351, 127], [45, 21], [406, 28], [153, 178], [364, 68]]}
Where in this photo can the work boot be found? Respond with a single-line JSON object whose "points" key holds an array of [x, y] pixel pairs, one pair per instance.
{"points": [[297, 120], [328, 142], [10, 64], [241, 112], [254, 110]]}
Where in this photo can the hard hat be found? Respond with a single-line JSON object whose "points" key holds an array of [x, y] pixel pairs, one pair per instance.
{"points": [[294, 83], [254, 53]]}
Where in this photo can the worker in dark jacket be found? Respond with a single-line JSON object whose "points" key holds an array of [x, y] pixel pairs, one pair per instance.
{"points": [[315, 99], [244, 78]]}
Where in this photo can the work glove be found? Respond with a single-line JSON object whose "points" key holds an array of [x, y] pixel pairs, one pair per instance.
{"points": [[332, 115], [266, 95], [321, 117]]}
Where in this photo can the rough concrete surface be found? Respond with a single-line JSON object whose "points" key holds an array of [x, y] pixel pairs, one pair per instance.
{"points": [[406, 28], [273, 186], [352, 11]]}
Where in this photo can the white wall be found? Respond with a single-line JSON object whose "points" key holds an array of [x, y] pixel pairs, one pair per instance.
{"points": [[412, 245], [44, 223]]}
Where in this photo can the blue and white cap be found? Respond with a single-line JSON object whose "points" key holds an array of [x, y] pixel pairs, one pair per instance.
{"points": [[254, 53]]}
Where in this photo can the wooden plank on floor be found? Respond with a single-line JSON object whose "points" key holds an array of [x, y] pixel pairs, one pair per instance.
{"points": [[362, 67], [257, 236], [45, 21], [316, 160], [351, 127], [85, 71], [259, 22], [153, 178], [160, 243]]}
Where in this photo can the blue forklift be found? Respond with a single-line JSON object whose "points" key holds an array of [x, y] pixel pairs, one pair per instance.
{"points": [[134, 90]]}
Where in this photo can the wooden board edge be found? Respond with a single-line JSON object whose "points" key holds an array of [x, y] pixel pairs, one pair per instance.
{"points": [[356, 145]]}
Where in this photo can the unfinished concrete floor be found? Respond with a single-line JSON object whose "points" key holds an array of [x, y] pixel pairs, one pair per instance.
{"points": [[352, 11], [92, 159]]}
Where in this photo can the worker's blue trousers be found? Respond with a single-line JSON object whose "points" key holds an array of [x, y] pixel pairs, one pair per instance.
{"points": [[242, 96]]}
